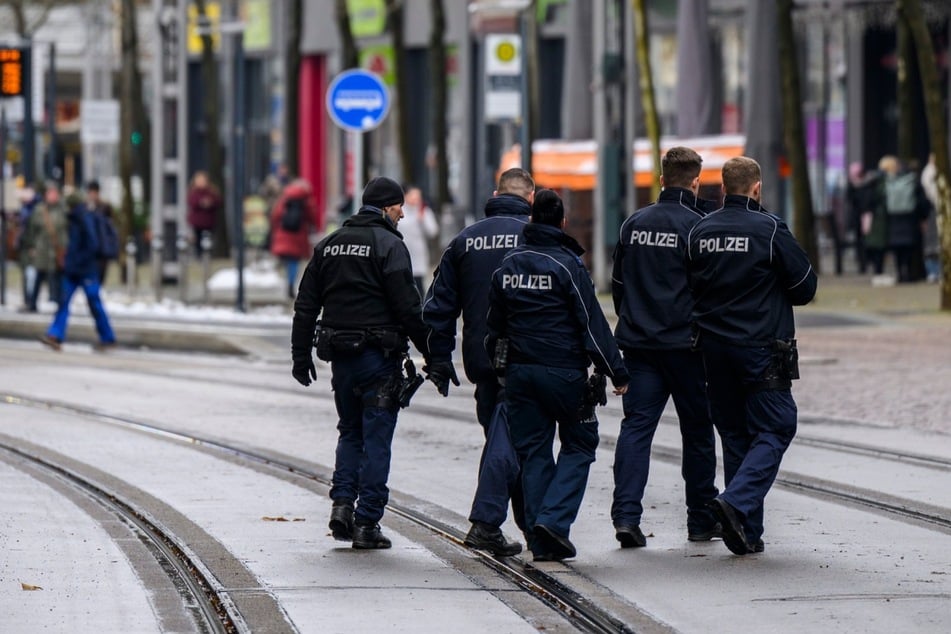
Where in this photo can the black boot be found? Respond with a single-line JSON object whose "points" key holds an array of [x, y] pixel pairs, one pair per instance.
{"points": [[366, 537], [487, 537], [341, 520]]}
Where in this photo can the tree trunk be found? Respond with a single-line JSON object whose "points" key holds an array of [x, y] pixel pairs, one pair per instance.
{"points": [[212, 115], [126, 120], [394, 20], [648, 102], [437, 52], [804, 225], [349, 52], [905, 92], [534, 92], [142, 162], [937, 132], [292, 88]]}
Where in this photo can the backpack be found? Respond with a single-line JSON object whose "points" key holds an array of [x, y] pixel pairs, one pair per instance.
{"points": [[901, 194], [293, 217], [108, 237]]}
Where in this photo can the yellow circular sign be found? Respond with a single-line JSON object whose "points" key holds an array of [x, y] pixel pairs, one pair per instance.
{"points": [[505, 51]]}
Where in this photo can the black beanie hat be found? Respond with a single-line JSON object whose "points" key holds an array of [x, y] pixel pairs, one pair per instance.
{"points": [[382, 192]]}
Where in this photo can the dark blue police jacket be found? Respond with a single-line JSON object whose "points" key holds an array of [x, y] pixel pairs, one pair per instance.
{"points": [[543, 300], [462, 280], [746, 272], [649, 283]]}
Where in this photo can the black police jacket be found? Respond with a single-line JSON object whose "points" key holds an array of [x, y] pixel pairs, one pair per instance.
{"points": [[649, 282], [746, 272], [359, 277], [462, 280], [543, 301]]}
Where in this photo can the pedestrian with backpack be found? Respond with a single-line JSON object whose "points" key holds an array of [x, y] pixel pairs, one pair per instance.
{"points": [[101, 213], [80, 271], [907, 207], [293, 219]]}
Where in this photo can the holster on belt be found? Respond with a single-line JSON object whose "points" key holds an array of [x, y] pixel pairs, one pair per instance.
{"points": [[782, 370]]}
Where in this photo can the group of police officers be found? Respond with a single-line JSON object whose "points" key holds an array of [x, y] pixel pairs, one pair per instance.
{"points": [[704, 304]]}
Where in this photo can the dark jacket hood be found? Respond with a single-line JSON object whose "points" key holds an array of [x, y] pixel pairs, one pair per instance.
{"points": [[371, 217], [507, 204], [548, 236]]}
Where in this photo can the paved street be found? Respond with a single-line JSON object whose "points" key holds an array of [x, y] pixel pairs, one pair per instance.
{"points": [[858, 534]]}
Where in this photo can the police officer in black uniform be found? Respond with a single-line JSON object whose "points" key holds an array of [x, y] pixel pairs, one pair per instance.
{"points": [[461, 285], [543, 304], [360, 283], [746, 272], [653, 304]]}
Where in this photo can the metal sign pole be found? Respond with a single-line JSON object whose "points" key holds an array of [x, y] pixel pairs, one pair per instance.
{"points": [[356, 154]]}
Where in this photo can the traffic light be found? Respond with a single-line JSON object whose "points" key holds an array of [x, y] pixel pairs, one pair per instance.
{"points": [[136, 138]]}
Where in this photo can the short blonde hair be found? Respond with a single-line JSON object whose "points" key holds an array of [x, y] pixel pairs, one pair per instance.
{"points": [[739, 175], [889, 164]]}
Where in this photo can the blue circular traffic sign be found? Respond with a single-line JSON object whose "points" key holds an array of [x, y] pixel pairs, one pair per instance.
{"points": [[357, 100]]}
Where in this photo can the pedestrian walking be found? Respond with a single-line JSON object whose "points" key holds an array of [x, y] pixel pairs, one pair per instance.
{"points": [[461, 286], [28, 198], [418, 227], [907, 208], [293, 220], [360, 284], [746, 272], [654, 306], [45, 243], [80, 270], [543, 310], [102, 214], [204, 203]]}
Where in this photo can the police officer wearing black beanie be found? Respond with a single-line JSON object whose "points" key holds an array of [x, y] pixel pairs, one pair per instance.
{"points": [[360, 283]]}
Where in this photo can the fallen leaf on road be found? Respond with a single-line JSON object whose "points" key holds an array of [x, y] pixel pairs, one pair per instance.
{"points": [[27, 586], [282, 519]]}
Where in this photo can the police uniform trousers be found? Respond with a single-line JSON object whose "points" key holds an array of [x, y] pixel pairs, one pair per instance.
{"points": [[539, 397], [656, 375], [365, 431], [756, 425], [499, 472]]}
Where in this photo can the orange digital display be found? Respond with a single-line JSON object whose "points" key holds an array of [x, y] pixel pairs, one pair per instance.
{"points": [[11, 72]]}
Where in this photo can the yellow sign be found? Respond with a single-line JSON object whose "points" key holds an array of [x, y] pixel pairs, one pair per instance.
{"points": [[213, 26], [506, 51]]}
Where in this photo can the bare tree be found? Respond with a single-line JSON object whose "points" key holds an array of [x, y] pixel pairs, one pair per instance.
{"points": [[905, 91], [394, 21], [292, 88], [437, 57], [25, 22], [133, 118], [646, 79], [911, 12], [794, 134], [212, 114], [349, 50]]}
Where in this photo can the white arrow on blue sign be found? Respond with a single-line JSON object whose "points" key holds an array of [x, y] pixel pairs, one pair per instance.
{"points": [[357, 100]]}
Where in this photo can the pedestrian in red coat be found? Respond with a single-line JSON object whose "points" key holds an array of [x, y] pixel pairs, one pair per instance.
{"points": [[204, 201], [293, 219]]}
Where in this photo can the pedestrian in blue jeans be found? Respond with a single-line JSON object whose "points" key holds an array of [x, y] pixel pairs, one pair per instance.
{"points": [[80, 271]]}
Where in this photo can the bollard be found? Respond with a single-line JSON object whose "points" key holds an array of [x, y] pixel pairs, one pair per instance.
{"points": [[206, 245], [157, 246], [182, 245], [131, 270]]}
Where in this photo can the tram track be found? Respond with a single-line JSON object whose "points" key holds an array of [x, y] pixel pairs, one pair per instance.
{"points": [[573, 606], [211, 610]]}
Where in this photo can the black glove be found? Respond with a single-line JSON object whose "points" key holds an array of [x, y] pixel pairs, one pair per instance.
{"points": [[440, 373], [304, 371]]}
